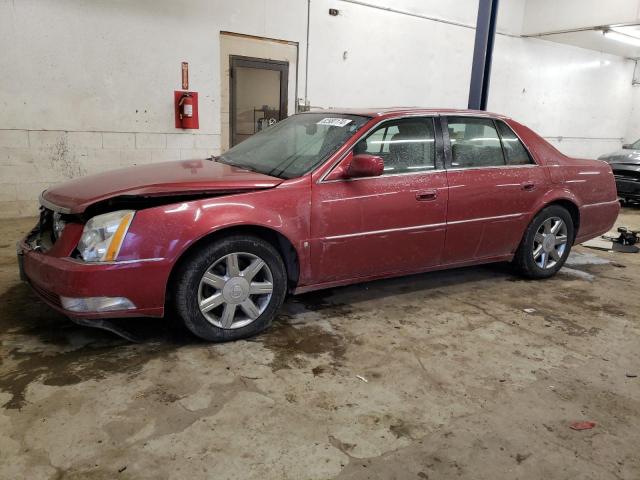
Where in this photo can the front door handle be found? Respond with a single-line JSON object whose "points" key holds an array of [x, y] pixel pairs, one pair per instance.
{"points": [[427, 195], [528, 186]]}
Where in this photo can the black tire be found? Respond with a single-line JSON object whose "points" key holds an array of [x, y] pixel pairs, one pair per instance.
{"points": [[524, 261], [186, 285]]}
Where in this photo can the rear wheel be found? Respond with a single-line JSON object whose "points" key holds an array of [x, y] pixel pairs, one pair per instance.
{"points": [[546, 243], [230, 289]]}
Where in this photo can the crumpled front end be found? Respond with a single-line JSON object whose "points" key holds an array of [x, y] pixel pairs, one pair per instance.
{"points": [[49, 262]]}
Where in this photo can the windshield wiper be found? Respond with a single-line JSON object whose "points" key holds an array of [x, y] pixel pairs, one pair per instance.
{"points": [[236, 165]]}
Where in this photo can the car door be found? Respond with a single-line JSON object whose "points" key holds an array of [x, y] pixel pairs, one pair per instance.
{"points": [[392, 223], [494, 184]]}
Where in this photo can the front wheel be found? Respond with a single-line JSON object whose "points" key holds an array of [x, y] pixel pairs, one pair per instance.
{"points": [[546, 243], [230, 289]]}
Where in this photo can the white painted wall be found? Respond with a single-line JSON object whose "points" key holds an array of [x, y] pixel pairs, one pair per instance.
{"points": [[88, 85], [392, 59], [633, 128], [579, 99]]}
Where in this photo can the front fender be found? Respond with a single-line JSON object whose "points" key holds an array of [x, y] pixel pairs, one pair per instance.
{"points": [[167, 231]]}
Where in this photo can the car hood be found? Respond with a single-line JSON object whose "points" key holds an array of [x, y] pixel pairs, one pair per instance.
{"points": [[622, 156], [186, 177]]}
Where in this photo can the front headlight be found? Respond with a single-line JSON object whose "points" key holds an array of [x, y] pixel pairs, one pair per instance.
{"points": [[103, 235]]}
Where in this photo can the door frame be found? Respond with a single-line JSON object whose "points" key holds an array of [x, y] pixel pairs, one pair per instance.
{"points": [[260, 63]]}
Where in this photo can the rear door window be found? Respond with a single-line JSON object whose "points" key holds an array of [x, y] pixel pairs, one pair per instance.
{"points": [[474, 143]]}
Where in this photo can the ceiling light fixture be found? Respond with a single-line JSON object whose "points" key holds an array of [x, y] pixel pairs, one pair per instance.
{"points": [[622, 37]]}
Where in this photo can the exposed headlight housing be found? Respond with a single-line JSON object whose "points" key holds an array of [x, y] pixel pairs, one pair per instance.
{"points": [[103, 235], [58, 225]]}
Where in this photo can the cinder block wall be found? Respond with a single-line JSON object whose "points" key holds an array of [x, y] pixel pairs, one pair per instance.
{"points": [[32, 160]]}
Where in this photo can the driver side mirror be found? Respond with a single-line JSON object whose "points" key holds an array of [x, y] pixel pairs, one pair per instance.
{"points": [[627, 146], [358, 166], [365, 165]]}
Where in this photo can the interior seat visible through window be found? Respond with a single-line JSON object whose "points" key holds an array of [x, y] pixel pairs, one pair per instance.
{"points": [[405, 145], [474, 143]]}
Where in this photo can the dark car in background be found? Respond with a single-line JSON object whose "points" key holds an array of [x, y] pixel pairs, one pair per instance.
{"points": [[625, 164]]}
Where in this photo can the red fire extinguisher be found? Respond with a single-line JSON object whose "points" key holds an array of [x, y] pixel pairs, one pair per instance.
{"points": [[186, 106], [186, 109]]}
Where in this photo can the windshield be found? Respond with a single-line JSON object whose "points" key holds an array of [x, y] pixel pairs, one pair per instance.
{"points": [[294, 146], [636, 145]]}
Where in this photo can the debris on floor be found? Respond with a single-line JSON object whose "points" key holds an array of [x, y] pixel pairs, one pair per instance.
{"points": [[632, 375], [626, 237], [529, 310], [622, 240], [362, 378], [586, 425]]}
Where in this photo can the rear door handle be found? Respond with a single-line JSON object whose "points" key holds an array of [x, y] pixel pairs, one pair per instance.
{"points": [[528, 186], [427, 195]]}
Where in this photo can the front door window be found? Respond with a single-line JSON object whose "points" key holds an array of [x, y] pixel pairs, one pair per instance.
{"points": [[406, 145]]}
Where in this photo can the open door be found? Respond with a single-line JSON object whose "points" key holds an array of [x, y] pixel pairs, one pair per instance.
{"points": [[258, 84], [258, 95]]}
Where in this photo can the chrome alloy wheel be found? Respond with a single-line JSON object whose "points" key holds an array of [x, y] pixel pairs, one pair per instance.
{"points": [[235, 290], [550, 242]]}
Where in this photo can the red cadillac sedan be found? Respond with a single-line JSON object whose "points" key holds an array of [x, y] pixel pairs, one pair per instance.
{"points": [[322, 199]]}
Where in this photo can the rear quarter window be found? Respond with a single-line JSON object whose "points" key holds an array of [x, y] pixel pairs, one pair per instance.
{"points": [[514, 151]]}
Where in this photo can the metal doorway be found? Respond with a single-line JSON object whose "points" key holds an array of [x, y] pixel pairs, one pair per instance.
{"points": [[258, 95]]}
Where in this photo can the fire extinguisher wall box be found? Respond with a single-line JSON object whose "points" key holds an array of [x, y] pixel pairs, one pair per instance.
{"points": [[185, 106]]}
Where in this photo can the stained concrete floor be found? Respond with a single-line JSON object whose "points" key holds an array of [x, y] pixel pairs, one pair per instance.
{"points": [[461, 382]]}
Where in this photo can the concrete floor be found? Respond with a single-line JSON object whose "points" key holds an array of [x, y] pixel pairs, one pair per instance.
{"points": [[460, 383]]}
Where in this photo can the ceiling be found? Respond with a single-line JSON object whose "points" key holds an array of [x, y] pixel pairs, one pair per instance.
{"points": [[596, 40], [582, 22]]}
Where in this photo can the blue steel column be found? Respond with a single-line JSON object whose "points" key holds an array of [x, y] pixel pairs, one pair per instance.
{"points": [[482, 54]]}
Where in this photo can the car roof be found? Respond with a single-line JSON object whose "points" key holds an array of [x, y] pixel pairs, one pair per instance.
{"points": [[399, 111]]}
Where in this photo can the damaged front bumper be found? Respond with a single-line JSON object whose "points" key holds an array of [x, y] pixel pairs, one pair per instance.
{"points": [[83, 290]]}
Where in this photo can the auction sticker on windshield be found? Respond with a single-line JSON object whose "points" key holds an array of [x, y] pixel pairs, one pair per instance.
{"points": [[334, 122]]}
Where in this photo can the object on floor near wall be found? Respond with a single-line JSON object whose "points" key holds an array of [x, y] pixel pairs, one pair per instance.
{"points": [[624, 242], [186, 109], [626, 237]]}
